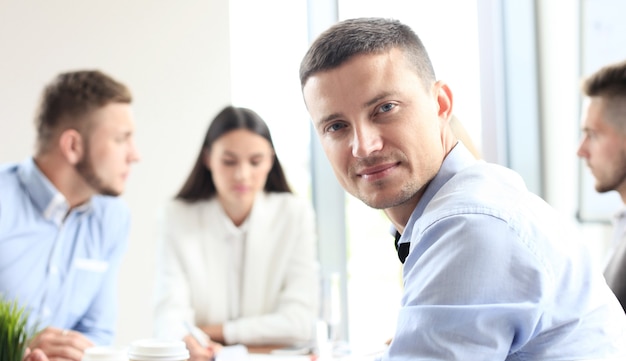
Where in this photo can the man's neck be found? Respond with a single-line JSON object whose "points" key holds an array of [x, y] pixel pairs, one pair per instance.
{"points": [[399, 215], [64, 178]]}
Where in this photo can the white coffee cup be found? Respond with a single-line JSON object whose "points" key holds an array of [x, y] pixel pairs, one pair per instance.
{"points": [[157, 350], [104, 353]]}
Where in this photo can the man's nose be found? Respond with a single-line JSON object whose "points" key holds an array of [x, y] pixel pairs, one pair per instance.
{"points": [[366, 140], [582, 148], [133, 155]]}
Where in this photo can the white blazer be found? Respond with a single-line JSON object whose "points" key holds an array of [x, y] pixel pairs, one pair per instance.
{"points": [[280, 282]]}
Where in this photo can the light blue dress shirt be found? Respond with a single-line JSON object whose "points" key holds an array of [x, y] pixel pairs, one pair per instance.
{"points": [[62, 266], [493, 273]]}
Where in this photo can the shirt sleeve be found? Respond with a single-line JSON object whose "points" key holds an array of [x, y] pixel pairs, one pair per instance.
{"points": [[472, 291]]}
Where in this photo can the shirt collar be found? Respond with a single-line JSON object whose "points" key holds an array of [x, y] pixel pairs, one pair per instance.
{"points": [[51, 203], [458, 158]]}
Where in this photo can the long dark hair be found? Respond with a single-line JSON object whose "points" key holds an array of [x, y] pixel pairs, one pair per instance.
{"points": [[199, 185]]}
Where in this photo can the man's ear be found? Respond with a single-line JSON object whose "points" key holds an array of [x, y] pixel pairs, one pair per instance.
{"points": [[444, 99], [71, 145]]}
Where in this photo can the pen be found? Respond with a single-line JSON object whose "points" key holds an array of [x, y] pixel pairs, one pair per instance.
{"points": [[199, 335]]}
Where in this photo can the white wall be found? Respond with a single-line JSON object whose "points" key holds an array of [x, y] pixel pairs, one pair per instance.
{"points": [[175, 58]]}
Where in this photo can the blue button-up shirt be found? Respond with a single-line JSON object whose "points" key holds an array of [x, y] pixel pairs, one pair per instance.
{"points": [[494, 273], [60, 264]]}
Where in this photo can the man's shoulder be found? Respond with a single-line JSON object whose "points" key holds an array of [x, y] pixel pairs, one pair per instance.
{"points": [[9, 179], [8, 167], [483, 188], [486, 182], [489, 194], [8, 171]]}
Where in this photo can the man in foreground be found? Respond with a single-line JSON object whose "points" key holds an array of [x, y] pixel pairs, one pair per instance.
{"points": [[63, 230], [491, 272]]}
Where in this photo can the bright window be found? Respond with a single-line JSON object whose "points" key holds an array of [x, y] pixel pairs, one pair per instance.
{"points": [[268, 40]]}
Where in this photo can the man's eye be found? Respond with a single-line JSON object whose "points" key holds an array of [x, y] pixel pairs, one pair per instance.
{"points": [[386, 107], [335, 127]]}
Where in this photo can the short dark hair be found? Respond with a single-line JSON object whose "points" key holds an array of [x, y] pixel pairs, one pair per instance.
{"points": [[69, 97], [352, 37], [609, 83], [199, 185]]}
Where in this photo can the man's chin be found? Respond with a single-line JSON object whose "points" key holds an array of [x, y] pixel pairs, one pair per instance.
{"points": [[110, 192], [379, 202]]}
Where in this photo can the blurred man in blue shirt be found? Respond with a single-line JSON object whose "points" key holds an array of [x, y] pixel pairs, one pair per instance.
{"points": [[63, 230], [490, 271]]}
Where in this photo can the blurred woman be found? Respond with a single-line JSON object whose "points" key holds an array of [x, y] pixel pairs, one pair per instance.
{"points": [[237, 256]]}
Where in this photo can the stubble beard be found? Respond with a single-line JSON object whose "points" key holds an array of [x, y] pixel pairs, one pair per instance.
{"points": [[86, 170], [618, 178], [406, 193]]}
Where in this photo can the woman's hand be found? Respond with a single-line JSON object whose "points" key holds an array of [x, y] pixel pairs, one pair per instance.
{"points": [[199, 353]]}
